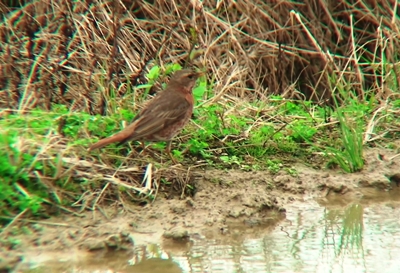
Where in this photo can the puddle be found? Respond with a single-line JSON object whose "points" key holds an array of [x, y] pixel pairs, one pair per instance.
{"points": [[316, 236]]}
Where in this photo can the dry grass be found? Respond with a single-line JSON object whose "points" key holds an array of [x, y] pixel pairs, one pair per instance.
{"points": [[76, 53]]}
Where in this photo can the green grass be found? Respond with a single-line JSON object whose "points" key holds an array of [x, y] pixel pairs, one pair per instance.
{"points": [[17, 177], [43, 153], [350, 156], [350, 114]]}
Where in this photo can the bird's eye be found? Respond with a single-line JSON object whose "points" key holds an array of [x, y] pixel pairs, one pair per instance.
{"points": [[190, 76]]}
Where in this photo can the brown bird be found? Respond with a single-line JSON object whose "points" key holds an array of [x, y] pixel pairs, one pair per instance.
{"points": [[163, 117]]}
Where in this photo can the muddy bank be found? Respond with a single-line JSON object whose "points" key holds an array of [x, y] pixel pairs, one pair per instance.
{"points": [[222, 199]]}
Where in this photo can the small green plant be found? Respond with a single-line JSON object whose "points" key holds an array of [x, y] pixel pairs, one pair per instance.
{"points": [[154, 74], [11, 242], [302, 131], [350, 155], [293, 172], [230, 160], [274, 166], [16, 184]]}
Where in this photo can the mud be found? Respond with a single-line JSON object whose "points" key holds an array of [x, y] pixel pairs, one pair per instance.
{"points": [[223, 199]]}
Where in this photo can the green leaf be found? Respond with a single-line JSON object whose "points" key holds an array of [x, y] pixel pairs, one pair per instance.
{"points": [[154, 73]]}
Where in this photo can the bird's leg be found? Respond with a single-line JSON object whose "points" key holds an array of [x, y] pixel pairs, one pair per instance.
{"points": [[145, 151], [134, 150], [143, 146], [168, 150]]}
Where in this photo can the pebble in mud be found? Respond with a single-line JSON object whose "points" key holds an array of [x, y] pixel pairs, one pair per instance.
{"points": [[236, 212], [374, 181], [7, 264], [114, 241], [93, 244], [176, 233], [395, 179], [178, 209], [252, 222]]}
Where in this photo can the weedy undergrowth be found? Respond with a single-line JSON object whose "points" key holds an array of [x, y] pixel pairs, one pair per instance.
{"points": [[350, 115]]}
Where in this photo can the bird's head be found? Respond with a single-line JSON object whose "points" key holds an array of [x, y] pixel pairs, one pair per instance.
{"points": [[184, 80]]}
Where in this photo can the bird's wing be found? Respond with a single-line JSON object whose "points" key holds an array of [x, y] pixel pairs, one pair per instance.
{"points": [[157, 115]]}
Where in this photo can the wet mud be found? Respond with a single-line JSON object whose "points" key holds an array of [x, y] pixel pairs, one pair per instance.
{"points": [[223, 200]]}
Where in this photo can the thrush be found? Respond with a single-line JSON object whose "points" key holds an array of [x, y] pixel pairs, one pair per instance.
{"points": [[162, 117]]}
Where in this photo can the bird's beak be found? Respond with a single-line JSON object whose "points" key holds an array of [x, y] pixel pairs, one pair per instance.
{"points": [[199, 74]]}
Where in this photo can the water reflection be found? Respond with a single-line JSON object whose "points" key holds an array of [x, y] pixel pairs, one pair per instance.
{"points": [[323, 236]]}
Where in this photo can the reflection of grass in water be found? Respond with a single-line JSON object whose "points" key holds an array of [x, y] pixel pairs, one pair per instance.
{"points": [[344, 232], [352, 229]]}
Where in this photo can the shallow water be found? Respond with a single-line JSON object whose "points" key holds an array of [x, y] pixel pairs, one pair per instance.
{"points": [[332, 235]]}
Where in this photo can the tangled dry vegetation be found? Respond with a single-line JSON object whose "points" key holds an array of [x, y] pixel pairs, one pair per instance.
{"points": [[84, 54], [74, 53]]}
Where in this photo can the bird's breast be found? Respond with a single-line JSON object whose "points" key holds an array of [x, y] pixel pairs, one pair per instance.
{"points": [[190, 99]]}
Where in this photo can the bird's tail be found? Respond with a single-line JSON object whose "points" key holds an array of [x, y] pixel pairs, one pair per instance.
{"points": [[120, 137], [104, 142]]}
